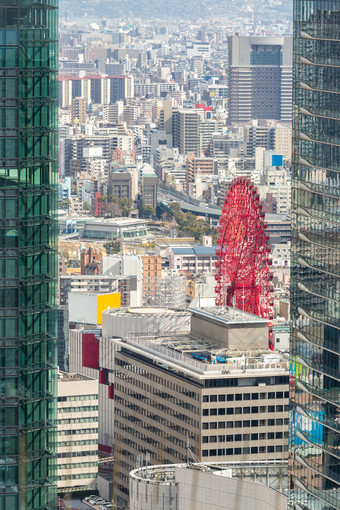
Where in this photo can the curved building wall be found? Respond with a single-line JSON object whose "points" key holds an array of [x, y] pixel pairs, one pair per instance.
{"points": [[192, 489]]}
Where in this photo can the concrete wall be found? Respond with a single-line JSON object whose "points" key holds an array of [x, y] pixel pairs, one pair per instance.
{"points": [[203, 490]]}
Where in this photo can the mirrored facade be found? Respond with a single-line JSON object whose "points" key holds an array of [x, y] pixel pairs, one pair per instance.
{"points": [[28, 251], [315, 301]]}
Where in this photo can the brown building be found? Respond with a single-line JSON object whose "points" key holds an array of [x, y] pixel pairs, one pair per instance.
{"points": [[195, 166], [152, 272], [90, 261], [78, 110]]}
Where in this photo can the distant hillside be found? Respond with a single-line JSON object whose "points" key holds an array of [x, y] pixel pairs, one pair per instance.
{"points": [[188, 9]]}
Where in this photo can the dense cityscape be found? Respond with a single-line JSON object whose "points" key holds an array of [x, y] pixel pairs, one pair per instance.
{"points": [[170, 253]]}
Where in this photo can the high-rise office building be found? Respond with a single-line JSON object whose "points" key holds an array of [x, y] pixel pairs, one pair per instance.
{"points": [[260, 78], [315, 316], [28, 253]]}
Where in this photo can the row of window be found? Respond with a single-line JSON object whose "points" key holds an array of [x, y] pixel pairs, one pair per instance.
{"points": [[78, 409], [77, 420], [244, 451], [77, 431], [77, 454], [78, 476], [77, 465], [245, 437], [77, 397], [245, 410], [245, 396], [246, 423], [61, 444]]}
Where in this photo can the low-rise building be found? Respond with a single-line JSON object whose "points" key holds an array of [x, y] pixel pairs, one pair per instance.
{"points": [[77, 438], [193, 259], [116, 228]]}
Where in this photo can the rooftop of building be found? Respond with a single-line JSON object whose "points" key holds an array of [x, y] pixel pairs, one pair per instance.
{"points": [[117, 221], [222, 340], [195, 250], [273, 474], [67, 377], [147, 311]]}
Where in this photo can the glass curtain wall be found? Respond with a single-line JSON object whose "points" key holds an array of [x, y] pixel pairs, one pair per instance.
{"points": [[28, 251], [315, 279]]}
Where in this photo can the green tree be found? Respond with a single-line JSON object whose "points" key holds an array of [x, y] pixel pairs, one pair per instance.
{"points": [[147, 211], [112, 247], [126, 205]]}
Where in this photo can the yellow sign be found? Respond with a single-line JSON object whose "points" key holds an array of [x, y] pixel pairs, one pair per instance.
{"points": [[106, 301]]}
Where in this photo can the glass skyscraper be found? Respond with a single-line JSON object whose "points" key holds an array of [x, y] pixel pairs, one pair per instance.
{"points": [[28, 251], [315, 279]]}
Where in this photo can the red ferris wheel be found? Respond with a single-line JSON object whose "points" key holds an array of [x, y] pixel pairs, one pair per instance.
{"points": [[243, 276]]}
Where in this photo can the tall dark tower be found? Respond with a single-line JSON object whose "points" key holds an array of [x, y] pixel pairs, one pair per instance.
{"points": [[315, 302], [28, 251]]}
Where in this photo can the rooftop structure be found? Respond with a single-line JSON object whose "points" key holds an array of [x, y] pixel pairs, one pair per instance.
{"points": [[222, 485], [115, 228]]}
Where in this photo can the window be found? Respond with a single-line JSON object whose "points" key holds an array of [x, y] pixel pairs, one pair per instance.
{"points": [[238, 397], [213, 412], [213, 439], [254, 437], [221, 411], [254, 423], [255, 396], [246, 410], [213, 398], [205, 412], [205, 426], [205, 439], [230, 424], [221, 424], [221, 398], [230, 398], [213, 425], [230, 410], [205, 398], [254, 410], [212, 453]]}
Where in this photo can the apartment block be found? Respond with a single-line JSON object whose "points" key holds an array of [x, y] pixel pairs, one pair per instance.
{"points": [[77, 437]]}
